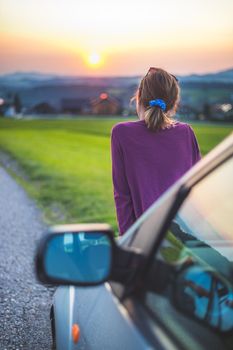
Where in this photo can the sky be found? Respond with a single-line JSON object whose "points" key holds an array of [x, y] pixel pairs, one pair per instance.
{"points": [[115, 38]]}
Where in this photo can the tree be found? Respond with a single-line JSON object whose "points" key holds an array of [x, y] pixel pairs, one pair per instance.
{"points": [[17, 103], [207, 111]]}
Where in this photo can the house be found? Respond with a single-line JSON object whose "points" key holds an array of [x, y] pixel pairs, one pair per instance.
{"points": [[187, 112], [9, 111], [75, 105], [7, 107], [222, 112], [43, 108], [105, 105]]}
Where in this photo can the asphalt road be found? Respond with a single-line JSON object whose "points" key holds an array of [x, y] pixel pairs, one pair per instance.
{"points": [[24, 304]]}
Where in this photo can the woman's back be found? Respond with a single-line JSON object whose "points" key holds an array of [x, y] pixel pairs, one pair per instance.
{"points": [[147, 163]]}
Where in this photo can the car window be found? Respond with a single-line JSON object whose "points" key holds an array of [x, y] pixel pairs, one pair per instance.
{"points": [[197, 252]]}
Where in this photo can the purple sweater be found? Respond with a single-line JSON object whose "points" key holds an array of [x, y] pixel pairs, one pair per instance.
{"points": [[146, 163]]}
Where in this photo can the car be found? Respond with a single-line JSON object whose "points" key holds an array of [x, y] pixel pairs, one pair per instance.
{"points": [[167, 283]]}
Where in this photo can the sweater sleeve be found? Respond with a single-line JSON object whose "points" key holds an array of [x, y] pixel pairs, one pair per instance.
{"points": [[196, 154], [122, 197]]}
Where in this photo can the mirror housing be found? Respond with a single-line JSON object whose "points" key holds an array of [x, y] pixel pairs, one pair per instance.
{"points": [[85, 255], [79, 254]]}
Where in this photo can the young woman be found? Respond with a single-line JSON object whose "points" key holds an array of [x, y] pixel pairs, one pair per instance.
{"points": [[150, 154]]}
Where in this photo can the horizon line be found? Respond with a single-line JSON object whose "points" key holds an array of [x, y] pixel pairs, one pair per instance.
{"points": [[104, 76]]}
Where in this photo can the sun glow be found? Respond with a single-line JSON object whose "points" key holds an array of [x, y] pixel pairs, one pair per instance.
{"points": [[94, 59], [67, 37]]}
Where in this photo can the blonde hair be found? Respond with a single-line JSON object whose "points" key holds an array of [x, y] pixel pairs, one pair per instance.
{"points": [[158, 84]]}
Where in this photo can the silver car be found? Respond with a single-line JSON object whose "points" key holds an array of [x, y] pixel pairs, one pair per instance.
{"points": [[166, 284]]}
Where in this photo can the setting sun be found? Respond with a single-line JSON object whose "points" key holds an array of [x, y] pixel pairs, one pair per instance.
{"points": [[94, 59]]}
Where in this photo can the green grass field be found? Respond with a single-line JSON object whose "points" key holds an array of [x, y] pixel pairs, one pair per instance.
{"points": [[66, 164]]}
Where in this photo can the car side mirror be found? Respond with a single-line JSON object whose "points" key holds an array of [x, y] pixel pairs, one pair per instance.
{"points": [[85, 255], [76, 254]]}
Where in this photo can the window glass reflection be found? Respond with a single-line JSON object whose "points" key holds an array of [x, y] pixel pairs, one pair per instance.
{"points": [[199, 242]]}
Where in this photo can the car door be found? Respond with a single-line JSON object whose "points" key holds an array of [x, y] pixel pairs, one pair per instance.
{"points": [[185, 297], [113, 316]]}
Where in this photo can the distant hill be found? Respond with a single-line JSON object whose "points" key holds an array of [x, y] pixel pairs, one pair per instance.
{"points": [[34, 79], [225, 76]]}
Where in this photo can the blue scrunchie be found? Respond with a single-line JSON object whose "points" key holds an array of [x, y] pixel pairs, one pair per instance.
{"points": [[159, 103]]}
